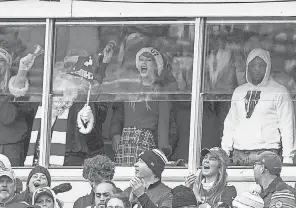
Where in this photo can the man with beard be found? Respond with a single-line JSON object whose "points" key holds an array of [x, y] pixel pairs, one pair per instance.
{"points": [[146, 189], [267, 169], [8, 197], [261, 116]]}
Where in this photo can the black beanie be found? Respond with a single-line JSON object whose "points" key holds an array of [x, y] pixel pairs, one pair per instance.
{"points": [[39, 169], [155, 160], [183, 196]]}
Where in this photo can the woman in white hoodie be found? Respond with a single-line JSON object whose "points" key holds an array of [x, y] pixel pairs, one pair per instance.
{"points": [[46, 198], [261, 116]]}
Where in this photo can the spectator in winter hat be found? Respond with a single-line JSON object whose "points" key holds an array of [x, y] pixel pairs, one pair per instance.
{"points": [[96, 170], [210, 185], [283, 199], [46, 198], [267, 169], [13, 112], [146, 188], [135, 124], [38, 177], [249, 199], [183, 197]]}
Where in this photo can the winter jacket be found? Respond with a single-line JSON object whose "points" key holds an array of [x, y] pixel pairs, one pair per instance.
{"points": [[87, 201], [13, 126], [16, 202], [157, 195], [266, 194], [261, 116]]}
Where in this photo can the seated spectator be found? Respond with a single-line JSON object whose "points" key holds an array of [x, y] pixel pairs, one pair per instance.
{"points": [[146, 189], [284, 199], [118, 201], [8, 197], [250, 198], [210, 185], [267, 170], [46, 198], [183, 197], [95, 170], [104, 191], [38, 177]]}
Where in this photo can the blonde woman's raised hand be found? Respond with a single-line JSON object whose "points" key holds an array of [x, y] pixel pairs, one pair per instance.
{"points": [[189, 180]]}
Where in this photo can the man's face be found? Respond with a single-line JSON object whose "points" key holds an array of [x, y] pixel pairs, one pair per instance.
{"points": [[103, 191], [45, 201], [257, 70], [7, 188], [142, 170], [210, 165], [257, 172], [148, 65], [38, 180]]}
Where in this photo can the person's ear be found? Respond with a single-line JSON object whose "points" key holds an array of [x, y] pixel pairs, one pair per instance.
{"points": [[262, 169]]}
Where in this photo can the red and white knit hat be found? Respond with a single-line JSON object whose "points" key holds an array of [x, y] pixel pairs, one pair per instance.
{"points": [[155, 53]]}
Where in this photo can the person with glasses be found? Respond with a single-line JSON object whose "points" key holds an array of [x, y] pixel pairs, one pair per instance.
{"points": [[118, 201], [267, 170], [261, 116], [210, 184]]}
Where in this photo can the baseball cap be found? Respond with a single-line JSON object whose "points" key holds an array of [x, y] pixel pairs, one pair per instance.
{"points": [[218, 152], [271, 161], [4, 161], [42, 191], [7, 172]]}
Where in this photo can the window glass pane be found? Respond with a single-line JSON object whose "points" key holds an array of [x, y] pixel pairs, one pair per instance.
{"points": [[249, 87], [140, 78], [21, 64]]}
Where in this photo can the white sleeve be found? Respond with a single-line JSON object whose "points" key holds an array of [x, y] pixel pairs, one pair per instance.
{"points": [[286, 121], [229, 127]]}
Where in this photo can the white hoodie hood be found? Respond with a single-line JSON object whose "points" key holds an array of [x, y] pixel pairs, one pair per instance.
{"points": [[265, 56]]}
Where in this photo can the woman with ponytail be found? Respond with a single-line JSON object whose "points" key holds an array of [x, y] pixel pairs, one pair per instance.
{"points": [[210, 184]]}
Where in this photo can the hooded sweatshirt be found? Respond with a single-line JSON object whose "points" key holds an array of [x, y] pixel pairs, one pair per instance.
{"points": [[261, 116]]}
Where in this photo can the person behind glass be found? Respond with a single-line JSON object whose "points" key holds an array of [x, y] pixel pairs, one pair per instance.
{"points": [[13, 126], [183, 197], [267, 170], [38, 177], [138, 125], [103, 192], [210, 185], [95, 170], [8, 197], [46, 198], [146, 189], [261, 116], [119, 201], [81, 146]]}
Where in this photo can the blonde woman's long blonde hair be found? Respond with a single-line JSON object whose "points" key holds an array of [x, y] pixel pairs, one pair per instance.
{"points": [[4, 82], [215, 192]]}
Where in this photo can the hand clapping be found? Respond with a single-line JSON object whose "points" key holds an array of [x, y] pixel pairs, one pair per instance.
{"points": [[138, 186]]}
